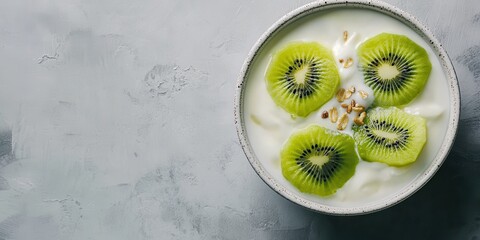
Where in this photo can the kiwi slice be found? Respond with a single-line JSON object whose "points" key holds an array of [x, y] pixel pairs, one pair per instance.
{"points": [[319, 161], [390, 136], [395, 67], [302, 77]]}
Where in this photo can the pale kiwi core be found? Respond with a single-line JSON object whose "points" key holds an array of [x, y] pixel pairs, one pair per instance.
{"points": [[387, 71], [301, 75], [319, 160], [385, 134]]}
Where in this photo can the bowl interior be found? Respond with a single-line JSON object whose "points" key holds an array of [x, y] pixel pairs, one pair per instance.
{"points": [[275, 35]]}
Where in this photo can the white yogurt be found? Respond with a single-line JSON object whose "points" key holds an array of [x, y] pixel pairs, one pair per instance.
{"points": [[268, 126]]}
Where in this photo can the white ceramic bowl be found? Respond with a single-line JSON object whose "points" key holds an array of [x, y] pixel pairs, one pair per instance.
{"points": [[317, 8]]}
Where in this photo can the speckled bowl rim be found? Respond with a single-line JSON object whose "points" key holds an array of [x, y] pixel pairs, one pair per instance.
{"points": [[396, 13]]}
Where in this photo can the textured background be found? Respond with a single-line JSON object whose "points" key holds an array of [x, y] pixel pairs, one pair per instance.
{"points": [[117, 123]]}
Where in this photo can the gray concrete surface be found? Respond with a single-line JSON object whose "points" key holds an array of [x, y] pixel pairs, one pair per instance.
{"points": [[117, 123]]}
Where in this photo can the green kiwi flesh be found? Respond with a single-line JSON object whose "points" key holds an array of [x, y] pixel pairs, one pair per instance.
{"points": [[301, 77], [390, 136], [318, 161], [395, 67]]}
